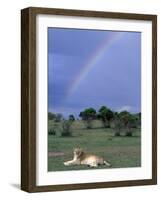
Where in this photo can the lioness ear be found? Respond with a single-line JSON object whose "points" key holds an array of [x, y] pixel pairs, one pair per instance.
{"points": [[80, 152]]}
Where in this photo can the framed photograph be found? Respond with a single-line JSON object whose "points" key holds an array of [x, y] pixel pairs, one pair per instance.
{"points": [[88, 99]]}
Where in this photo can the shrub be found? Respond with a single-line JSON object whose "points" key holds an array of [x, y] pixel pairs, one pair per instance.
{"points": [[117, 134], [88, 115], [116, 124], [51, 116], [128, 134], [58, 117], [105, 114], [66, 128], [51, 132], [71, 118], [129, 121]]}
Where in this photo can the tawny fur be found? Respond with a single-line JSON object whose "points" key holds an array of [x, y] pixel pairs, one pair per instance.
{"points": [[82, 158]]}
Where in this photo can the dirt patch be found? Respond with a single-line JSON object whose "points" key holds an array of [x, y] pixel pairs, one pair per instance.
{"points": [[54, 154]]}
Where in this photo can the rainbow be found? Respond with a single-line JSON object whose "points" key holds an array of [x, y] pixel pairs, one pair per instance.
{"points": [[96, 55]]}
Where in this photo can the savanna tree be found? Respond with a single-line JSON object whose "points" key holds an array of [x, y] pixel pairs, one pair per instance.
{"points": [[87, 116], [116, 124], [128, 120], [105, 114], [51, 116], [58, 117], [66, 128], [138, 119], [71, 118], [51, 132]]}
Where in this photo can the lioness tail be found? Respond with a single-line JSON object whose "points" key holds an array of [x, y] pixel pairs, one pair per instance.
{"points": [[106, 163]]}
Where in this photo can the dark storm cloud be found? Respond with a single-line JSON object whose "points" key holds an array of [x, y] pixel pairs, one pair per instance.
{"points": [[114, 81]]}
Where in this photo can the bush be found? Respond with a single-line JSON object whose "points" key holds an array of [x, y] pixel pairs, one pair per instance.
{"points": [[128, 134], [88, 123], [66, 128], [71, 118], [66, 133], [51, 116], [51, 132], [117, 134], [105, 114], [58, 117], [116, 124], [88, 115]]}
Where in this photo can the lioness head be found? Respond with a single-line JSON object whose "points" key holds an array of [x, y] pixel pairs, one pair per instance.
{"points": [[78, 152]]}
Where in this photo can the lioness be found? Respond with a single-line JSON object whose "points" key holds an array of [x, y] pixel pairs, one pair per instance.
{"points": [[82, 158]]}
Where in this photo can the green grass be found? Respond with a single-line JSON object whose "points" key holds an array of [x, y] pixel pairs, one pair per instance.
{"points": [[119, 151]]}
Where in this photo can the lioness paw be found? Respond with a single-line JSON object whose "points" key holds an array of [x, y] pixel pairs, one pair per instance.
{"points": [[66, 163]]}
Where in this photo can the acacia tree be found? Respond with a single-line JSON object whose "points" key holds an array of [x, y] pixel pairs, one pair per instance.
{"points": [[116, 124], [51, 116], [71, 118], [138, 120], [128, 120], [87, 116], [105, 114], [66, 128], [58, 117]]}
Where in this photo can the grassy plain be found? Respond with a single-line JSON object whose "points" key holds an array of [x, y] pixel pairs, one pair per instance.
{"points": [[120, 151]]}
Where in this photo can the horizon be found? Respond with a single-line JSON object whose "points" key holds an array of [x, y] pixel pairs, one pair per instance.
{"points": [[77, 116], [107, 71]]}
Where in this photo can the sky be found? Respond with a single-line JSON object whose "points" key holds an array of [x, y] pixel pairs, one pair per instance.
{"points": [[93, 68]]}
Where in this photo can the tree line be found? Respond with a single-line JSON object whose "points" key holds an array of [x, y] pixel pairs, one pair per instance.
{"points": [[110, 119]]}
